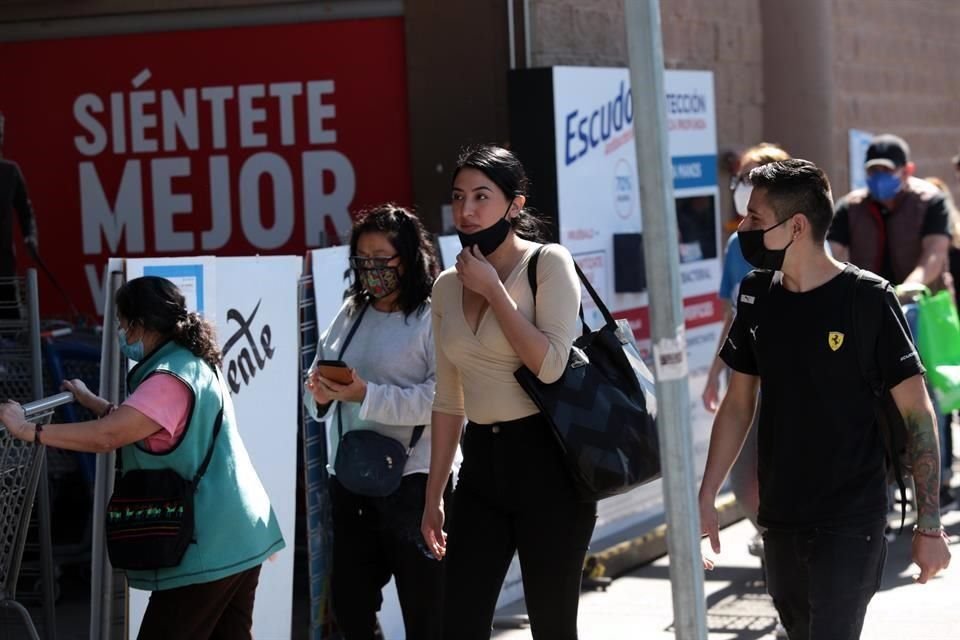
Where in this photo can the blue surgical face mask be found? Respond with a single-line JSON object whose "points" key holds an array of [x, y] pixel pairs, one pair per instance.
{"points": [[131, 351], [883, 185]]}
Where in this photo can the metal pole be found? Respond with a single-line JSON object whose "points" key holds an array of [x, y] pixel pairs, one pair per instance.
{"points": [[43, 489], [101, 583], [662, 259]]}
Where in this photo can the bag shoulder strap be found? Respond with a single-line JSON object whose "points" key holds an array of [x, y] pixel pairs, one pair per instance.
{"points": [[417, 431], [877, 388], [218, 422], [343, 348], [353, 330], [753, 291], [532, 280]]}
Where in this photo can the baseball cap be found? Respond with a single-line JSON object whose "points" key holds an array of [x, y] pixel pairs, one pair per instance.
{"points": [[887, 150]]}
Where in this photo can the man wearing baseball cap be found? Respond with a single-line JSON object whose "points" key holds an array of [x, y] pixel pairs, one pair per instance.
{"points": [[898, 227]]}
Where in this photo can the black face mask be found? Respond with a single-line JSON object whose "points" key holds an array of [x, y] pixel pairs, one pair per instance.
{"points": [[757, 254], [487, 240]]}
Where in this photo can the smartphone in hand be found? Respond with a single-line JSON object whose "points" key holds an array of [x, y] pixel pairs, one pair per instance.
{"points": [[336, 370]]}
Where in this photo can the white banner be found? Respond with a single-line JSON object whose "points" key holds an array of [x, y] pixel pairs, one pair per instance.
{"points": [[255, 302]]}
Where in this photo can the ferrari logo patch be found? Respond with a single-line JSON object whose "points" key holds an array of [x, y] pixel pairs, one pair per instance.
{"points": [[835, 340]]}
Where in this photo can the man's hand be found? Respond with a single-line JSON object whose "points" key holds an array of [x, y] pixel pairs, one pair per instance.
{"points": [[930, 554], [711, 393]]}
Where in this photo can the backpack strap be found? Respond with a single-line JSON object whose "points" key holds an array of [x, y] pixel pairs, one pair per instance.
{"points": [[885, 409], [754, 289]]}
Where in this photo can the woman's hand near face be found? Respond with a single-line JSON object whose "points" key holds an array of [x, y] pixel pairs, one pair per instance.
{"points": [[476, 273]]}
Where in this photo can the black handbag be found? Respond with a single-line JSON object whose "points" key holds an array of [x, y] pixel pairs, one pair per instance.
{"points": [[603, 409], [369, 463], [150, 516]]}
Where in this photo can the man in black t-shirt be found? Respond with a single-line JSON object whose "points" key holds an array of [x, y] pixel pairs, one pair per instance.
{"points": [[821, 458]]}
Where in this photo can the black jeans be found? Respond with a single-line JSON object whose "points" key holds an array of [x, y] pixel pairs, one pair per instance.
{"points": [[373, 539], [821, 580], [515, 495]]}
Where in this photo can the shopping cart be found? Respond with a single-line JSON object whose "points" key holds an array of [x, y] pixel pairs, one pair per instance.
{"points": [[20, 466]]}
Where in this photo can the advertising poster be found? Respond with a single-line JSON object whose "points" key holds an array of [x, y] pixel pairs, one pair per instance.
{"points": [[573, 129], [257, 328], [130, 147]]}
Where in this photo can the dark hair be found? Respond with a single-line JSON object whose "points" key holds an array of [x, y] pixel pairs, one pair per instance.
{"points": [[797, 186], [414, 246], [506, 171], [156, 304]]}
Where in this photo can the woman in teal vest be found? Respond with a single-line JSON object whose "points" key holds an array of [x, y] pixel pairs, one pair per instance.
{"points": [[176, 395]]}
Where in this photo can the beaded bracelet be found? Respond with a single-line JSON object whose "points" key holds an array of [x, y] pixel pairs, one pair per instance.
{"points": [[930, 533]]}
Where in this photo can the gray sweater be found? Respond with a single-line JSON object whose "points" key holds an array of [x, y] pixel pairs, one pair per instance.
{"points": [[394, 354]]}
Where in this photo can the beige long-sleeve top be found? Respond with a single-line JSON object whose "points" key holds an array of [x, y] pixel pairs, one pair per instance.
{"points": [[475, 370]]}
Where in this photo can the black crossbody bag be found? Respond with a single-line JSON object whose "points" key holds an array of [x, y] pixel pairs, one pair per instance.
{"points": [[150, 516], [603, 409], [369, 463]]}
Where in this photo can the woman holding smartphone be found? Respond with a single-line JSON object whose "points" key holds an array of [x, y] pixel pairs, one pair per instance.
{"points": [[514, 493], [382, 334]]}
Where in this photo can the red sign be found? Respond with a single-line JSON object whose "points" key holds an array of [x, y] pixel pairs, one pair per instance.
{"points": [[698, 311], [254, 140]]}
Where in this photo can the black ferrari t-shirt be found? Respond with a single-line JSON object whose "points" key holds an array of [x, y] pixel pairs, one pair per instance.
{"points": [[821, 457]]}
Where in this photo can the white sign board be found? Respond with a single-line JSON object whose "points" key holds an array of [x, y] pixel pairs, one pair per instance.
{"points": [[255, 302], [859, 141], [598, 197]]}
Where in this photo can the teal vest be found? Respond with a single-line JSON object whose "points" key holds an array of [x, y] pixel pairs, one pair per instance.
{"points": [[235, 527]]}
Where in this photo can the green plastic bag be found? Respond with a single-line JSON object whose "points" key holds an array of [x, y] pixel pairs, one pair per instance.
{"points": [[938, 340]]}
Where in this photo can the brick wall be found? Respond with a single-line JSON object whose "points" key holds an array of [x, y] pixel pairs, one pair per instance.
{"points": [[896, 71], [723, 36]]}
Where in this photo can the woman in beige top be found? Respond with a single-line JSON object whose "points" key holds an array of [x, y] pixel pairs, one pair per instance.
{"points": [[514, 493]]}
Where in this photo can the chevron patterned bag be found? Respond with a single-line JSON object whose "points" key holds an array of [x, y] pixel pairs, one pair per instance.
{"points": [[602, 409]]}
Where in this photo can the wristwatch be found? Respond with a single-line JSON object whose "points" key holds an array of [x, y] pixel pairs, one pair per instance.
{"points": [[37, 429]]}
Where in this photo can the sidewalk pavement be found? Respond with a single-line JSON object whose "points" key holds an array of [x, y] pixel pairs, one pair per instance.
{"points": [[638, 605]]}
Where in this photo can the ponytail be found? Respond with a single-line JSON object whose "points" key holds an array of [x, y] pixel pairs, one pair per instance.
{"points": [[199, 337]]}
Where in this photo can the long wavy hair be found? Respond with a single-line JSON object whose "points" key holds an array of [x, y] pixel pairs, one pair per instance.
{"points": [[412, 243], [158, 305]]}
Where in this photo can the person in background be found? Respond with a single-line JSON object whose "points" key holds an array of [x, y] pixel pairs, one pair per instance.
{"points": [[899, 226], [743, 476], [514, 494], [13, 198], [946, 424], [392, 371], [176, 393]]}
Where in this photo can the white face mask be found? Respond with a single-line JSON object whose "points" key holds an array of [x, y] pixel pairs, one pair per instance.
{"points": [[741, 197]]}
